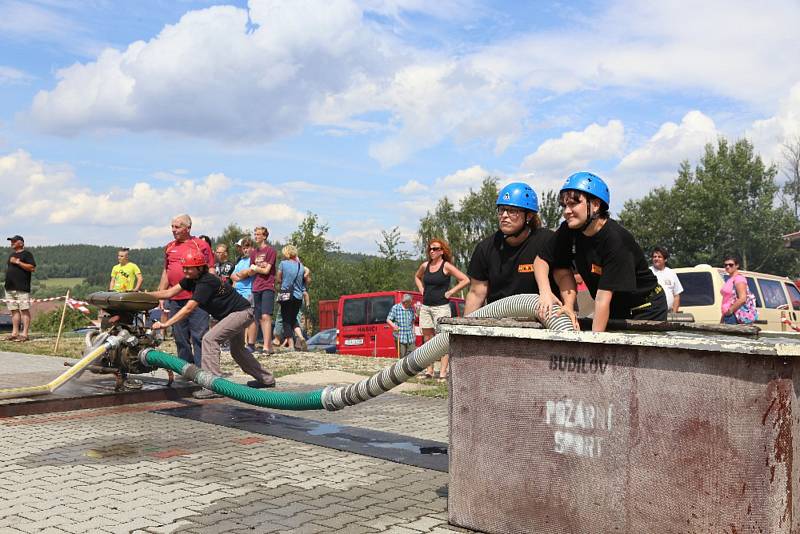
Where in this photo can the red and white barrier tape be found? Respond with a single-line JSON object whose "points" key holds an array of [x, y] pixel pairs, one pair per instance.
{"points": [[79, 305], [35, 300]]}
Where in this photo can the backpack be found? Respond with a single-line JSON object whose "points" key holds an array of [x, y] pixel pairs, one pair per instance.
{"points": [[747, 313]]}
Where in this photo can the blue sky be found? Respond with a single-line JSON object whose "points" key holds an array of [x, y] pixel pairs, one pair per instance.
{"points": [[114, 116]]}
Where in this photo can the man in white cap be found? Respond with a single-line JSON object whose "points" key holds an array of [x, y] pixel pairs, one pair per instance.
{"points": [[401, 319]]}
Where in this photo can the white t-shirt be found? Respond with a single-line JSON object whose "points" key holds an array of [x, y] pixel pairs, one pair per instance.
{"points": [[670, 282]]}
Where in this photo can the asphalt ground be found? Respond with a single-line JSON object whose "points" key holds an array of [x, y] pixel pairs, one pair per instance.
{"points": [[150, 468]]}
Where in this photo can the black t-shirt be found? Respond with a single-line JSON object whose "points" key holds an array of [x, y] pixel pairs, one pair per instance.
{"points": [[224, 271], [610, 260], [509, 270], [17, 278], [213, 296]]}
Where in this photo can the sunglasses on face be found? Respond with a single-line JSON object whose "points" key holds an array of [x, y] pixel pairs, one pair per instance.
{"points": [[728, 264], [433, 249], [512, 212]]}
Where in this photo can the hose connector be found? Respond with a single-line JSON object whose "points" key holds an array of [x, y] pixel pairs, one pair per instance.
{"points": [[327, 399], [112, 342], [143, 356]]}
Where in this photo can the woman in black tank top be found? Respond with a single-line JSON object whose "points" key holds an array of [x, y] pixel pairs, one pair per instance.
{"points": [[433, 281]]}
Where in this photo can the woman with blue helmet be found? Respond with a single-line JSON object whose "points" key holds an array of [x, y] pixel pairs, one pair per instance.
{"points": [[604, 253], [502, 264]]}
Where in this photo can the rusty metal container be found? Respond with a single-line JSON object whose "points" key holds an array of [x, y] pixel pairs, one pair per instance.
{"points": [[621, 432]]}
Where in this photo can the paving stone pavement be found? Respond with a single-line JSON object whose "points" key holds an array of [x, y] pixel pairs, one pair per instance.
{"points": [[126, 469]]}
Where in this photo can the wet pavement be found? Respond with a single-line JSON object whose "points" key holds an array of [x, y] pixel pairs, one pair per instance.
{"points": [[397, 448], [90, 390], [221, 466]]}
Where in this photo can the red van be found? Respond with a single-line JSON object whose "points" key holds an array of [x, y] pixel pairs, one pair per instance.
{"points": [[361, 322]]}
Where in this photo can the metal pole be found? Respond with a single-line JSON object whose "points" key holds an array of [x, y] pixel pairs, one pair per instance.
{"points": [[61, 325]]}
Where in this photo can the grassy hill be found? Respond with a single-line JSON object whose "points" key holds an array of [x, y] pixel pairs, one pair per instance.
{"points": [[84, 269]]}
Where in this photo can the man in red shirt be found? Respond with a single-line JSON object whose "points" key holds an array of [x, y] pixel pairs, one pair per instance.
{"points": [[262, 262], [189, 333]]}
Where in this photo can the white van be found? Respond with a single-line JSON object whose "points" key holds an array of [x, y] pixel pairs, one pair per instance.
{"points": [[776, 296]]}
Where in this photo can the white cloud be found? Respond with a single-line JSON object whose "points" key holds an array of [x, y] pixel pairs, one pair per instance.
{"points": [[435, 100], [411, 187], [444, 9], [455, 186], [367, 237], [31, 22], [730, 49], [254, 75], [10, 75], [574, 150], [364, 239], [49, 195], [462, 180], [670, 145], [655, 163], [769, 135], [212, 75], [271, 70]]}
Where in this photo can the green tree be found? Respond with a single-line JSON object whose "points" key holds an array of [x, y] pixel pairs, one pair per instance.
{"points": [[391, 247], [465, 227], [549, 210], [726, 204], [318, 253], [393, 269], [791, 188]]}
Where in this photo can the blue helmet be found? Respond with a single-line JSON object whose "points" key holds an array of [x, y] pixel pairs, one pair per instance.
{"points": [[519, 195], [588, 183]]}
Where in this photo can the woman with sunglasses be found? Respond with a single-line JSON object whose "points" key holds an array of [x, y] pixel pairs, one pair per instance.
{"points": [[502, 264], [433, 281], [734, 290]]}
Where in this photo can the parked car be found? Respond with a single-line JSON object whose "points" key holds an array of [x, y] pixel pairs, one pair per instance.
{"points": [[324, 341], [5, 322], [776, 296], [361, 322]]}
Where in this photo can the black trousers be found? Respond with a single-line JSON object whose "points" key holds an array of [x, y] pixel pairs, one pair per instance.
{"points": [[656, 311], [289, 309]]}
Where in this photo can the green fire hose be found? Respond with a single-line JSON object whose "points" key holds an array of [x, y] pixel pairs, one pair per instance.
{"points": [[280, 400], [337, 397]]}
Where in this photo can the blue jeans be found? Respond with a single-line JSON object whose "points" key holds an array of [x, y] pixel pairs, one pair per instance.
{"points": [[729, 319], [189, 332]]}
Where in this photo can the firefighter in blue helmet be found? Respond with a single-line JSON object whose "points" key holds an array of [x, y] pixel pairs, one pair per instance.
{"points": [[502, 264], [604, 253]]}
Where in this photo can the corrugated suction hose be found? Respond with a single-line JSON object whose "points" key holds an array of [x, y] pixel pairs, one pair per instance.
{"points": [[516, 306], [335, 398]]}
